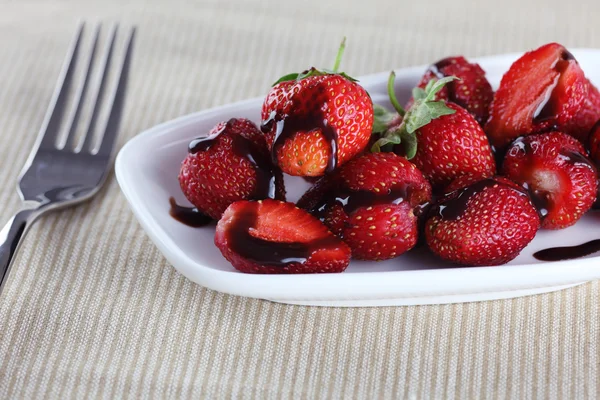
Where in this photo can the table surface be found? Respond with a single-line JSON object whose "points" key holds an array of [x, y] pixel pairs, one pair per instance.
{"points": [[92, 308]]}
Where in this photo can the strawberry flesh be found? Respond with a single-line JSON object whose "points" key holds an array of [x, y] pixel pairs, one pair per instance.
{"points": [[273, 237], [544, 89], [560, 179]]}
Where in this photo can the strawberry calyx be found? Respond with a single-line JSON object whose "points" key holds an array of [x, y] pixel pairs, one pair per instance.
{"points": [[297, 76], [401, 128]]}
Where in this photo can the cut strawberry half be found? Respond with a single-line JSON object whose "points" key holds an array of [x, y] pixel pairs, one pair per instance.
{"points": [[544, 89], [274, 237], [560, 179]]}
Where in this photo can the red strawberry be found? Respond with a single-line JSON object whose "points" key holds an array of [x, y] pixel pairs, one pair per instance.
{"points": [[442, 139], [486, 223], [373, 205], [543, 90], [594, 143], [583, 122], [273, 237], [559, 177], [473, 92], [316, 121], [232, 163]]}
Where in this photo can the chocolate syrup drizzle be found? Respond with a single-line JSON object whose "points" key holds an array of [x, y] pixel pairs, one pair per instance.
{"points": [[189, 216], [266, 184], [287, 125], [352, 200], [568, 253], [454, 205], [264, 252]]}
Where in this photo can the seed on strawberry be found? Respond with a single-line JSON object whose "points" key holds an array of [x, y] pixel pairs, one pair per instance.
{"points": [[372, 206], [442, 139], [274, 237], [543, 90], [487, 223], [232, 163], [553, 168], [472, 91], [316, 121]]}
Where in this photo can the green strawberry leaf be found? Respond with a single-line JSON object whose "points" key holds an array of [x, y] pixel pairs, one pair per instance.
{"points": [[376, 148], [289, 77], [409, 142], [382, 118], [418, 94], [392, 94], [435, 85], [439, 108]]}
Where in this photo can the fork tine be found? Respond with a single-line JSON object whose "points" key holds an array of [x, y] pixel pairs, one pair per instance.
{"points": [[118, 96], [49, 130], [81, 92], [89, 135]]}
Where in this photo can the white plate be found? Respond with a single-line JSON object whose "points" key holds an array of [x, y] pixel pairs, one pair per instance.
{"points": [[147, 169]]}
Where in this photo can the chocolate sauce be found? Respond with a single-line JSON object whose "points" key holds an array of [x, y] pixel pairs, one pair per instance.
{"points": [[297, 120], [549, 106], [352, 200], [436, 68], [264, 252], [189, 216], [568, 253], [266, 184], [576, 158], [454, 205]]}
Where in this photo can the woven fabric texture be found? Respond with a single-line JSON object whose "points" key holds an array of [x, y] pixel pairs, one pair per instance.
{"points": [[93, 310]]}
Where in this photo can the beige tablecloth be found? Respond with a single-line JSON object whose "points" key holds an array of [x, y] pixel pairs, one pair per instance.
{"points": [[92, 309]]}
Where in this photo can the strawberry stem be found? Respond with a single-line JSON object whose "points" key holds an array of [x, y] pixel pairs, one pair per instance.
{"points": [[340, 53], [392, 94]]}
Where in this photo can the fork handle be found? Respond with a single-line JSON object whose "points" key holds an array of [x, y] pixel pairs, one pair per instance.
{"points": [[10, 238]]}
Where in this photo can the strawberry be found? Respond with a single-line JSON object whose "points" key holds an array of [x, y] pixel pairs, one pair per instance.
{"points": [[560, 179], [594, 143], [442, 139], [372, 205], [316, 120], [543, 90], [473, 92], [274, 237], [232, 163], [583, 122], [487, 223]]}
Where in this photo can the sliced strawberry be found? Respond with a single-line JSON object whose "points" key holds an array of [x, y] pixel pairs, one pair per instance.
{"points": [[487, 223], [273, 237], [559, 177], [581, 126], [594, 143], [544, 89]]}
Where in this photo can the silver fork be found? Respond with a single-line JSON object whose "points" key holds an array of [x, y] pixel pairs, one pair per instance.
{"points": [[56, 177]]}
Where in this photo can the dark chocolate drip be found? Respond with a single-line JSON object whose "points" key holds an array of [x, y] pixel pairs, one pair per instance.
{"points": [[549, 106], [266, 184], [453, 206], [576, 158], [540, 199], [352, 200], [264, 252], [437, 68], [189, 216], [568, 253], [289, 124]]}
